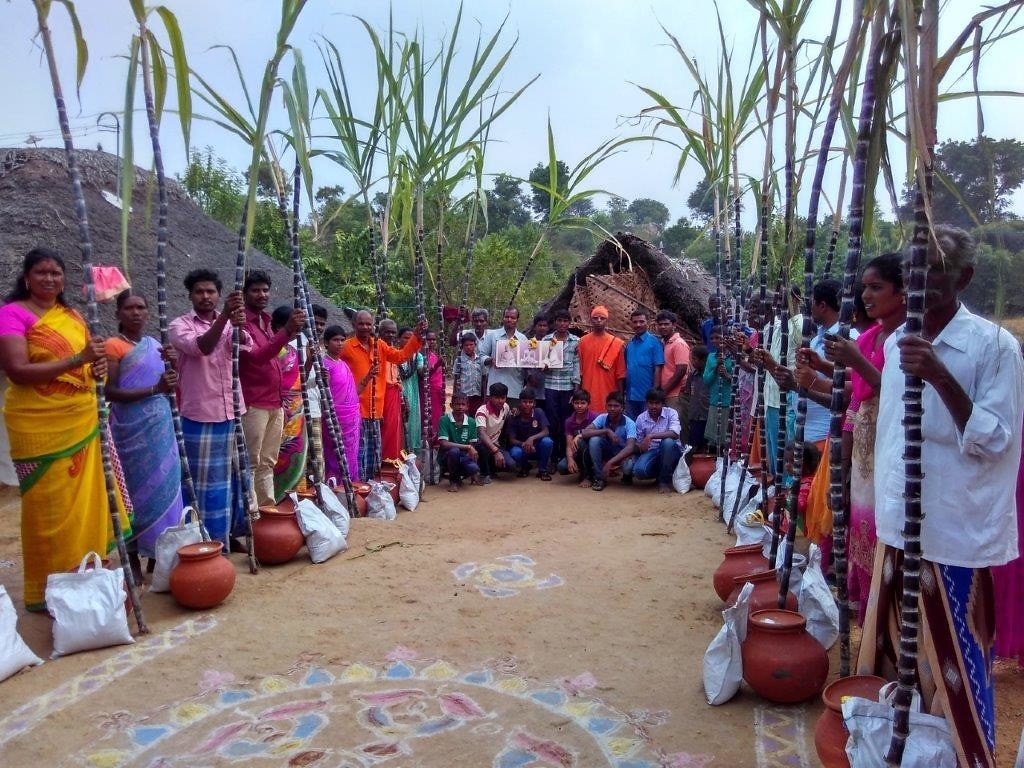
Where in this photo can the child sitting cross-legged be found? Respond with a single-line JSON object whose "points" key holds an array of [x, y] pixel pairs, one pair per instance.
{"points": [[576, 454], [528, 436], [457, 438]]}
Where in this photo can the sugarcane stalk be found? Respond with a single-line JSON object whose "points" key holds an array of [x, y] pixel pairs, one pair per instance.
{"points": [[457, 366], [421, 313], [781, 434], [92, 314], [378, 280], [161, 278], [830, 255]]}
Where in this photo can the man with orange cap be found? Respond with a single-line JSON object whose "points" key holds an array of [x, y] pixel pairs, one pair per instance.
{"points": [[602, 361]]}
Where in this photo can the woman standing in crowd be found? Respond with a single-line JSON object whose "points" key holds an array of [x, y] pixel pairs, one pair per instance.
{"points": [[141, 425], [345, 396], [291, 459], [433, 384], [885, 303], [52, 421], [411, 373]]}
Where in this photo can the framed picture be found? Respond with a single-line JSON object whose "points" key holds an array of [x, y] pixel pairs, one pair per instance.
{"points": [[506, 356], [553, 355], [529, 357]]}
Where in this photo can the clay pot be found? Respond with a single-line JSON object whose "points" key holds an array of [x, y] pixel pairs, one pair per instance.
{"points": [[362, 490], [765, 594], [830, 734], [202, 578], [276, 537], [738, 561], [702, 467], [781, 661], [389, 474]]}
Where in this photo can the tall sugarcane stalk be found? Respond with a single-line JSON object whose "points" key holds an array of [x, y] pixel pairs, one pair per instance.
{"points": [[781, 433], [187, 481], [421, 315], [92, 315], [378, 279], [921, 36]]}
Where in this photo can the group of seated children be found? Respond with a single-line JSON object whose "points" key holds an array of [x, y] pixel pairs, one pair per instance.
{"points": [[598, 445]]}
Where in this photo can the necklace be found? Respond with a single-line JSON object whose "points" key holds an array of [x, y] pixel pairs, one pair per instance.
{"points": [[133, 342]]}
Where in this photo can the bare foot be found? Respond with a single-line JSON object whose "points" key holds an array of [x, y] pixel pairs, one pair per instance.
{"points": [[664, 489], [454, 487], [584, 483]]}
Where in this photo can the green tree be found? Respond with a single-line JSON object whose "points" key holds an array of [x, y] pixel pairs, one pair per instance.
{"points": [[506, 206], [984, 173], [616, 209], [701, 202], [648, 218], [677, 238], [540, 200]]}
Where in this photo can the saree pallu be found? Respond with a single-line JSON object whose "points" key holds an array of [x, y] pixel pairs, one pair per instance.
{"points": [[954, 663], [291, 461], [346, 407], [409, 373], [55, 446], [435, 387], [143, 432], [861, 535]]}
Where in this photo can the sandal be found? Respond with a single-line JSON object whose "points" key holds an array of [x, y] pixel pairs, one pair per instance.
{"points": [[544, 476], [598, 485]]}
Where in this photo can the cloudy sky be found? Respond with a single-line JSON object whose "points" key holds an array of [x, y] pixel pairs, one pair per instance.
{"points": [[590, 54]]}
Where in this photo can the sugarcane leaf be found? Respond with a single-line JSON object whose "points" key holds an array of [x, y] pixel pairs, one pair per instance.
{"points": [[159, 72], [81, 49], [127, 184], [181, 72]]}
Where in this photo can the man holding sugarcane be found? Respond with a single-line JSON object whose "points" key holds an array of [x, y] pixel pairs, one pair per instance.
{"points": [[972, 404]]}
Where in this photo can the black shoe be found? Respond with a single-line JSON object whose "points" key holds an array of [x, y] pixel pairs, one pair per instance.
{"points": [[598, 485]]}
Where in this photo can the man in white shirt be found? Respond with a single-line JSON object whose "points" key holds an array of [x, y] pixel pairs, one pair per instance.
{"points": [[657, 442], [512, 377], [972, 403]]}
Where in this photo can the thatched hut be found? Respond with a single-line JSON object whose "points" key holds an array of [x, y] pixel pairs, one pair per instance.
{"points": [[630, 272], [36, 209]]}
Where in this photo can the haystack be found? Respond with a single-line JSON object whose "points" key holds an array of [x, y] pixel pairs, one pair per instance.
{"points": [[630, 272], [36, 210]]}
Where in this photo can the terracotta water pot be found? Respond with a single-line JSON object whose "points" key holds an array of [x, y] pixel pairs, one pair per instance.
{"points": [[362, 490], [702, 467], [276, 537], [389, 474], [830, 734], [738, 561], [202, 578], [781, 661], [765, 594]]}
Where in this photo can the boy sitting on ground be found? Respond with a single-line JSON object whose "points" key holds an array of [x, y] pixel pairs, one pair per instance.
{"points": [[611, 441], [575, 460], [528, 435], [490, 423], [457, 438], [657, 434]]}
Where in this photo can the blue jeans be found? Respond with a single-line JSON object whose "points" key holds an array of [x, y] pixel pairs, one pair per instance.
{"points": [[459, 465], [601, 449], [658, 462], [542, 453], [558, 408]]}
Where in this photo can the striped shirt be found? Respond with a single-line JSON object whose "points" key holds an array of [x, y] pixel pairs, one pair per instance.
{"points": [[566, 378]]}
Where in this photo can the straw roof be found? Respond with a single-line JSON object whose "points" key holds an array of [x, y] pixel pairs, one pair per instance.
{"points": [[36, 209], [681, 285]]}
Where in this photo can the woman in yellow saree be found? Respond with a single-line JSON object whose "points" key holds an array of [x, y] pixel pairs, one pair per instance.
{"points": [[51, 417]]}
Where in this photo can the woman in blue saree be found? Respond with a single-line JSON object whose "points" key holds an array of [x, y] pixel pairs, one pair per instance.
{"points": [[141, 424]]}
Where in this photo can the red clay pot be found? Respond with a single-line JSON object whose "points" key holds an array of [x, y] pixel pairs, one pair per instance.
{"points": [[738, 561], [362, 490], [765, 594], [202, 578], [781, 661], [389, 474], [830, 734], [702, 467], [276, 537]]}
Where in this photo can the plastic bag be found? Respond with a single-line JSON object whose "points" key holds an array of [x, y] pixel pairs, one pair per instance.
{"points": [[323, 539], [379, 503], [15, 655], [750, 524], [816, 602], [415, 476], [796, 573], [870, 725], [723, 662], [87, 608], [167, 545], [335, 509], [713, 487], [740, 482], [681, 480], [408, 490], [107, 282]]}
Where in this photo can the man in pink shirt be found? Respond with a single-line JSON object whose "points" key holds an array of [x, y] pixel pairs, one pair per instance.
{"points": [[259, 370], [203, 340], [676, 369]]}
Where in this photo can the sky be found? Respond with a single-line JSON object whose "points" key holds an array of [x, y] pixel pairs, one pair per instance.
{"points": [[591, 56]]}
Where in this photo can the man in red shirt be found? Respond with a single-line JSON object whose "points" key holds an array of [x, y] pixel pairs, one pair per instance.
{"points": [[259, 371]]}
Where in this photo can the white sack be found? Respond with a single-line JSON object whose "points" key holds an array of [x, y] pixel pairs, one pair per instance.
{"points": [[723, 662], [870, 725], [408, 489], [169, 542], [323, 539], [335, 509], [816, 602], [87, 608], [681, 480], [15, 655], [379, 503]]}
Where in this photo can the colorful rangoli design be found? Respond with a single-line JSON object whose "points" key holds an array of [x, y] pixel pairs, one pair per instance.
{"points": [[506, 577], [399, 712]]}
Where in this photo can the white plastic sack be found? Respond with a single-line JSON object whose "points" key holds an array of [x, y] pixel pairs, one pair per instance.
{"points": [[681, 480], [408, 489], [796, 573], [870, 725], [335, 509], [713, 486], [87, 608], [750, 524], [379, 503], [167, 545], [1019, 763], [414, 471], [816, 602], [742, 482], [323, 539], [15, 655], [723, 662]]}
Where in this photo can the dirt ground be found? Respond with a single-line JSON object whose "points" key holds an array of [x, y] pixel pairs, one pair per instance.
{"points": [[521, 625]]}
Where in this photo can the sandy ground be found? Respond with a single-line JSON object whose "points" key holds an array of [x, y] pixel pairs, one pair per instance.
{"points": [[521, 625]]}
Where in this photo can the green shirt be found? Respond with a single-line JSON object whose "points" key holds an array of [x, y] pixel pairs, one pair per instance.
{"points": [[464, 433]]}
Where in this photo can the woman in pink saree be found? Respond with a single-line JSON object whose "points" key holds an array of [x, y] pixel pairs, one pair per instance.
{"points": [[346, 406]]}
